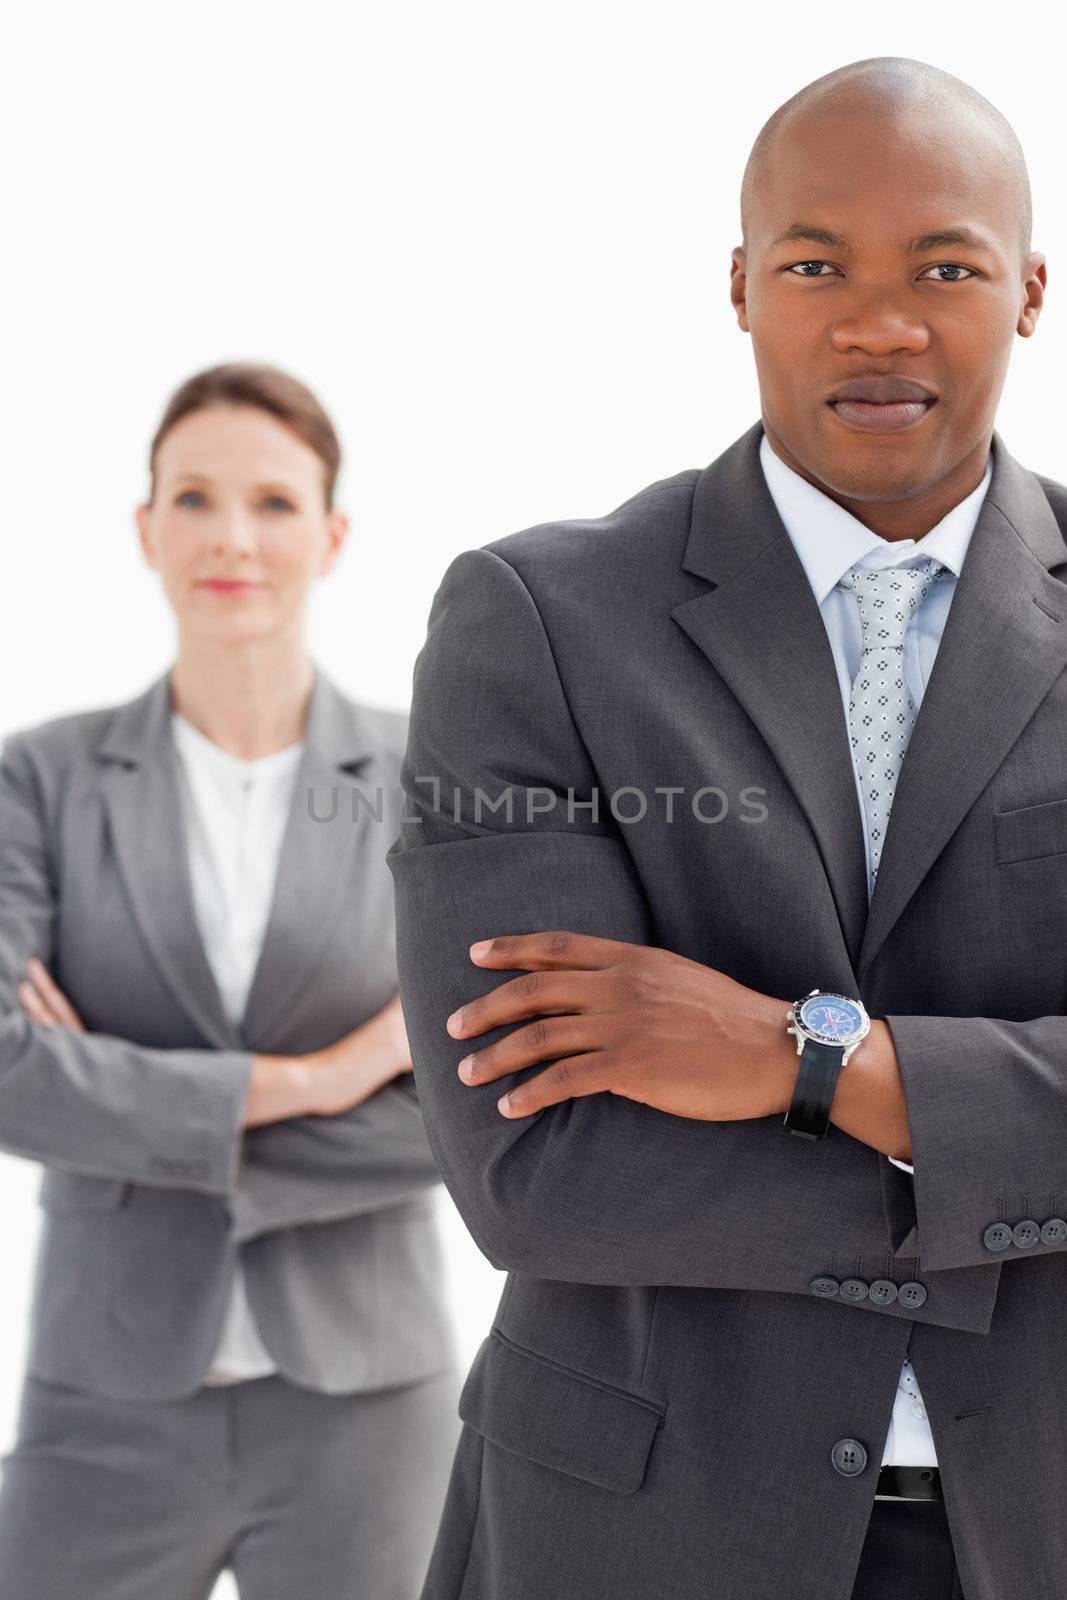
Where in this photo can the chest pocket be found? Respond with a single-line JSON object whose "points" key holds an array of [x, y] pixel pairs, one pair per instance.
{"points": [[1029, 832]]}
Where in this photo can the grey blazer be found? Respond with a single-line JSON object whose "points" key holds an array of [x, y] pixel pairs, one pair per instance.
{"points": [[675, 1397], [150, 1184]]}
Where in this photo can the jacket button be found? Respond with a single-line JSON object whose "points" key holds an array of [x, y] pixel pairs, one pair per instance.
{"points": [[854, 1289], [883, 1292], [997, 1236], [1025, 1234], [911, 1296], [1054, 1231], [849, 1457], [826, 1288]]}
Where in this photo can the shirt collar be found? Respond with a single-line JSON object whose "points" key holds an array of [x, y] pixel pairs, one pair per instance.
{"points": [[829, 540]]}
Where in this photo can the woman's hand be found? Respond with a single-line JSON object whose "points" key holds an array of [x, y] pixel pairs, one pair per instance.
{"points": [[386, 1037], [361, 1062], [45, 1001], [325, 1083]]}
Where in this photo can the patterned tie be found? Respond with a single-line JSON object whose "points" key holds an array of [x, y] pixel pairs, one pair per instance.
{"points": [[881, 711]]}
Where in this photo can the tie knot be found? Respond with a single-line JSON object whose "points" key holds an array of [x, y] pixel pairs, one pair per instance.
{"points": [[888, 598]]}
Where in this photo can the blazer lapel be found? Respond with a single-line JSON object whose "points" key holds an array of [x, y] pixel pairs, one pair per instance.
{"points": [[140, 780], [1003, 647], [317, 871], [762, 630]]}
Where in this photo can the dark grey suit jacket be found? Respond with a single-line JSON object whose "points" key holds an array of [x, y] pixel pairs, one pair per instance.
{"points": [[150, 1184], [655, 1409]]}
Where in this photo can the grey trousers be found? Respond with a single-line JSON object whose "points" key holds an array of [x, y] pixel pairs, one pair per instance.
{"points": [[907, 1554], [302, 1495]]}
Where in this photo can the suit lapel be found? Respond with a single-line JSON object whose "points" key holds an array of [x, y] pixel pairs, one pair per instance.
{"points": [[139, 779], [1003, 647], [140, 782], [762, 630], [317, 866]]}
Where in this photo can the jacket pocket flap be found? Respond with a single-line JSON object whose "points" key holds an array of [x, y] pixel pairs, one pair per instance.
{"points": [[551, 1414], [1031, 831]]}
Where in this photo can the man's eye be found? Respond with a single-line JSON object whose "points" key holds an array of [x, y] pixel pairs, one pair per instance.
{"points": [[950, 266], [189, 497], [278, 502], [797, 268]]}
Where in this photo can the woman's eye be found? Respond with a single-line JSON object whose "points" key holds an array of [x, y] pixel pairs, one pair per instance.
{"points": [[950, 266], [189, 497], [278, 502]]}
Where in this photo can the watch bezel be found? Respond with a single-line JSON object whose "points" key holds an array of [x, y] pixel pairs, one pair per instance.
{"points": [[847, 1041]]}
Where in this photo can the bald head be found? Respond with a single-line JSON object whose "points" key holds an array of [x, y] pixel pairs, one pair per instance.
{"points": [[895, 90]]}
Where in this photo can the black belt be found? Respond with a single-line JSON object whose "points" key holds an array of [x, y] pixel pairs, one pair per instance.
{"points": [[910, 1483]]}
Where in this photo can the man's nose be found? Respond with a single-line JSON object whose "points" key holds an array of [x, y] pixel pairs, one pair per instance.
{"points": [[880, 327]]}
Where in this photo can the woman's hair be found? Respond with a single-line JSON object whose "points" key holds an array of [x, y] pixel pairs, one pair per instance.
{"points": [[252, 383]]}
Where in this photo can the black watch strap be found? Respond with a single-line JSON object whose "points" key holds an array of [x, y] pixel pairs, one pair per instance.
{"points": [[820, 1066]]}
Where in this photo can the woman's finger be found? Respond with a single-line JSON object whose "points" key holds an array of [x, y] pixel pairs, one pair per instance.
{"points": [[53, 996], [32, 1003]]}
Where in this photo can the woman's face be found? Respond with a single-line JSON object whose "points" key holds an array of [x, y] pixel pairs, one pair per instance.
{"points": [[238, 527]]}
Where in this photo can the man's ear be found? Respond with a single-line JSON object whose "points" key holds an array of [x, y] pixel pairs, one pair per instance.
{"points": [[1034, 285], [738, 263]]}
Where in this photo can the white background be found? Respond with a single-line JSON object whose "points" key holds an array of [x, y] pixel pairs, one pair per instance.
{"points": [[494, 238]]}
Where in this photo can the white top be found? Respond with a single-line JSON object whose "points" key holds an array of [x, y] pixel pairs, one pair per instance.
{"points": [[235, 814], [829, 541]]}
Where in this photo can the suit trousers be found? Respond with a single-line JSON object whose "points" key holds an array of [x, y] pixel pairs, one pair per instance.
{"points": [[297, 1492], [907, 1554]]}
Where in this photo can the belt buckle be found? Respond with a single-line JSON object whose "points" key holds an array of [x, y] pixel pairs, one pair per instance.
{"points": [[912, 1484]]}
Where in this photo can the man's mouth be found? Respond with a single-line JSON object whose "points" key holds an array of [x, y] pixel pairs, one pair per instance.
{"points": [[874, 416], [881, 402]]}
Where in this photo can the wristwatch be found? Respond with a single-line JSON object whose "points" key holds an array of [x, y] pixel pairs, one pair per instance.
{"points": [[827, 1028]]}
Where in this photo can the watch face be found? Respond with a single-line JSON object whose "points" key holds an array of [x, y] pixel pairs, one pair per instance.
{"points": [[832, 1018]]}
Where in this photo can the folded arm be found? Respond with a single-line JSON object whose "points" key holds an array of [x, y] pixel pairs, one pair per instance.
{"points": [[102, 1105], [596, 1189], [320, 1169]]}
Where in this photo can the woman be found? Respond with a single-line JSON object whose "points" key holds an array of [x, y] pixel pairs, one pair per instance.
{"points": [[239, 1353]]}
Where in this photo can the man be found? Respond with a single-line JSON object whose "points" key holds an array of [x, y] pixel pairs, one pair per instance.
{"points": [[657, 761]]}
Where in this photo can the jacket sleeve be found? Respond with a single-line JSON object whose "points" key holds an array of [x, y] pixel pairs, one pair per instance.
{"points": [[987, 1107], [92, 1102], [102, 1105], [320, 1169], [599, 1188]]}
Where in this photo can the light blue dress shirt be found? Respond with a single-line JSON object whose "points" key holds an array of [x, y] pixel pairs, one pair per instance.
{"points": [[830, 541]]}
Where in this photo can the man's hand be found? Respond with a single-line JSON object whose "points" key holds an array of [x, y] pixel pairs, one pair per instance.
{"points": [[44, 1000], [637, 1021], [653, 1026]]}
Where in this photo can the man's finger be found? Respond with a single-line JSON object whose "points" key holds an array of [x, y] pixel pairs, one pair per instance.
{"points": [[540, 1040], [531, 995], [557, 948], [564, 1080]]}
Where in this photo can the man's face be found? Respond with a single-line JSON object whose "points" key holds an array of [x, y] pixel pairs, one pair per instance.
{"points": [[941, 316]]}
